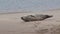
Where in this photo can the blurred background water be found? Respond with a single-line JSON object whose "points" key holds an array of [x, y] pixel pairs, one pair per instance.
{"points": [[28, 5]]}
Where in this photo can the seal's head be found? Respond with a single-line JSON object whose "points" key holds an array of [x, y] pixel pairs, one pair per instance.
{"points": [[24, 19]]}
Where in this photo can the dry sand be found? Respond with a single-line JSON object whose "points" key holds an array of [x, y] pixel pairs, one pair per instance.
{"points": [[12, 24]]}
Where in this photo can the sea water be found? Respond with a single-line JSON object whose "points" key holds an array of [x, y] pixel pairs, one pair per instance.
{"points": [[28, 5]]}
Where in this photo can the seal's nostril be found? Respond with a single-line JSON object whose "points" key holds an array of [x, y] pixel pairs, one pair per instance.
{"points": [[21, 17]]}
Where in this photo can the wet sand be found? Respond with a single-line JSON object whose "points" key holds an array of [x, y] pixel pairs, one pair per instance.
{"points": [[12, 23]]}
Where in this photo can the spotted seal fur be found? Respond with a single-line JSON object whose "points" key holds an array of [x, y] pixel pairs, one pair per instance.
{"points": [[35, 17]]}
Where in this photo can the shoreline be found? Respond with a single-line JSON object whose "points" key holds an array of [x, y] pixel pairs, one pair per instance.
{"points": [[29, 12]]}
